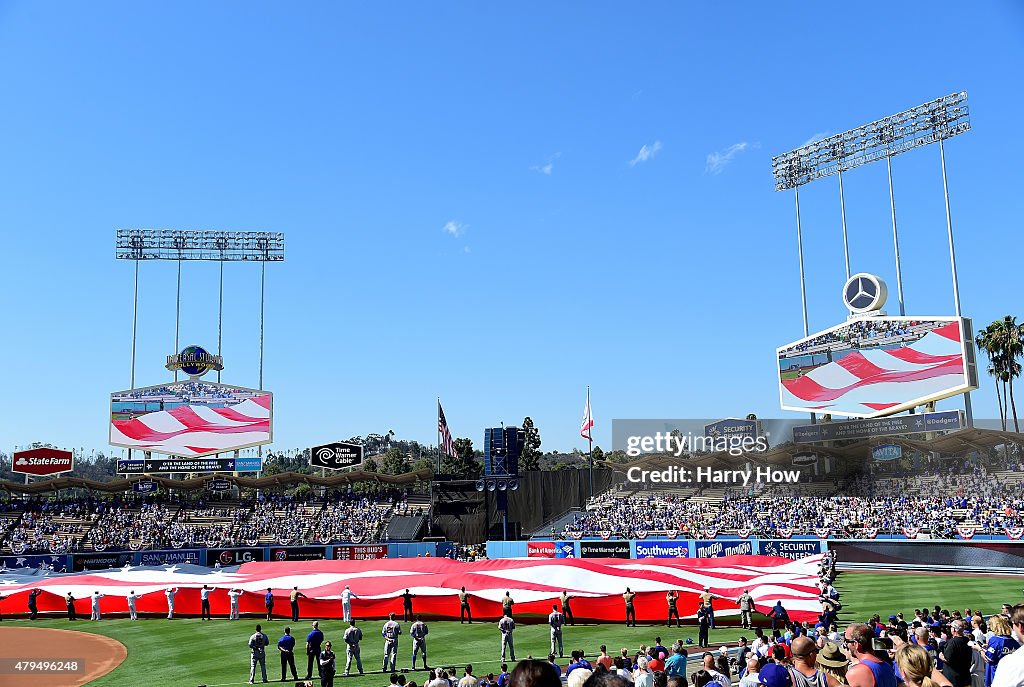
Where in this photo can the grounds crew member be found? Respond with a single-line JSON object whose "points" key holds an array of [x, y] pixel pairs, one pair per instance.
{"points": [[418, 632], [313, 641], [630, 609], [258, 654], [286, 647], [507, 626], [464, 607], [555, 622], [353, 635], [390, 633], [566, 610], [672, 598]]}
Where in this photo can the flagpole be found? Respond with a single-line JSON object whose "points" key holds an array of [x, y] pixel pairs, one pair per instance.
{"points": [[590, 441], [439, 434]]}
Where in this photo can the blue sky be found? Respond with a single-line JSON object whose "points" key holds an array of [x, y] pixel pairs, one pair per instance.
{"points": [[497, 204]]}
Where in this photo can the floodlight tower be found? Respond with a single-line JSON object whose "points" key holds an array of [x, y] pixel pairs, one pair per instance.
{"points": [[932, 122]]}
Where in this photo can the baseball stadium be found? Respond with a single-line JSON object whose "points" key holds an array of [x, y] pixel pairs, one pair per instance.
{"points": [[866, 531]]}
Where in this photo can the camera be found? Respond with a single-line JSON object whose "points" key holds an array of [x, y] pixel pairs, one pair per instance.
{"points": [[881, 644]]}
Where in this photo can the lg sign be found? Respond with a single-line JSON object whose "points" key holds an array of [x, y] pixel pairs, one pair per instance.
{"points": [[43, 461]]}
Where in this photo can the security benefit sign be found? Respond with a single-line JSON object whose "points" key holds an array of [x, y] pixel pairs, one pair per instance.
{"points": [[661, 548], [336, 456], [298, 553], [790, 548], [718, 548], [604, 549]]}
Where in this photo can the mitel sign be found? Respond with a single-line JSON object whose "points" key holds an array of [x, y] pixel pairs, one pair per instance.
{"points": [[43, 461]]}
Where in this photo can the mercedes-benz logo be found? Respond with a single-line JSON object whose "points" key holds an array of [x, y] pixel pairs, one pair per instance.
{"points": [[864, 293]]}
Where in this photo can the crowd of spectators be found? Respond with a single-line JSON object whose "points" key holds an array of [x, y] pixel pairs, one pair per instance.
{"points": [[859, 333], [124, 522], [934, 503]]}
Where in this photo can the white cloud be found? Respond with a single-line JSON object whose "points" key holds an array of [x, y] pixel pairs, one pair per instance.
{"points": [[454, 229], [646, 153], [466, 249], [548, 166], [720, 159]]}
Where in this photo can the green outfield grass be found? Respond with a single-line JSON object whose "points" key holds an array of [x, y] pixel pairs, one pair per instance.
{"points": [[186, 652]]}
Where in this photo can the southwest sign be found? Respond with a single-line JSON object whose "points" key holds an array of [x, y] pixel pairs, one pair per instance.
{"points": [[42, 461]]}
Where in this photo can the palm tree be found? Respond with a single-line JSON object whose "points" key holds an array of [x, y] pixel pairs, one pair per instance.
{"points": [[986, 341], [1003, 342]]}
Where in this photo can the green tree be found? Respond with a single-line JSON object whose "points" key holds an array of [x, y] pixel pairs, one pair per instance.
{"points": [[529, 459], [423, 464], [370, 465], [464, 464], [1003, 343], [393, 462], [598, 454]]}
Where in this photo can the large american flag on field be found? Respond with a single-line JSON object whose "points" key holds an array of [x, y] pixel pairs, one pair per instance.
{"points": [[596, 585], [447, 444], [870, 381], [196, 430]]}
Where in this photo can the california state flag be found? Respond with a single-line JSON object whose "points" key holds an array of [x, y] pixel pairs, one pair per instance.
{"points": [[588, 419]]}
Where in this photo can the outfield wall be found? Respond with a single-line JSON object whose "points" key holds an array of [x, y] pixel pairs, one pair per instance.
{"points": [[99, 560]]}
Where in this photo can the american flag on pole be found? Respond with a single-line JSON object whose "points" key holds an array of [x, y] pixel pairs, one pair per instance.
{"points": [[588, 419], [447, 444]]}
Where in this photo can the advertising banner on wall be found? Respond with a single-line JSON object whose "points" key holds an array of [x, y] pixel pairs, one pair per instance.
{"points": [[540, 549], [662, 548], [360, 552], [723, 547], [298, 553], [604, 549], [100, 561], [169, 557], [34, 561], [42, 461], [565, 549], [234, 556], [790, 548]]}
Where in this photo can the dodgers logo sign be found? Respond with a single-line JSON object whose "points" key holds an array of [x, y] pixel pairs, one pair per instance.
{"points": [[663, 548]]}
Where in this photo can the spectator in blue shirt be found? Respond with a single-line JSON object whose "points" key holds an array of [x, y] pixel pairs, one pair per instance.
{"points": [[503, 678], [286, 647], [313, 641], [676, 663]]}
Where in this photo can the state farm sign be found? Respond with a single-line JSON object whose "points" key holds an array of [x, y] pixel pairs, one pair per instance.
{"points": [[42, 461]]}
